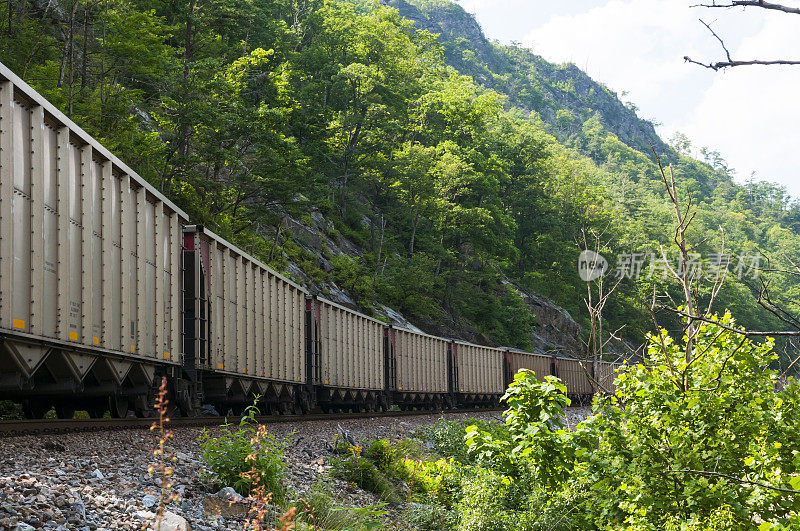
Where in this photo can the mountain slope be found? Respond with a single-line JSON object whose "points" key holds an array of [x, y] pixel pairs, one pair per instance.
{"points": [[563, 95]]}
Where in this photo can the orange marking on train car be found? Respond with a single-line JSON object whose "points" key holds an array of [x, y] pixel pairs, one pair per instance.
{"points": [[18, 323], [167, 356], [219, 365], [73, 336], [133, 348], [96, 340]]}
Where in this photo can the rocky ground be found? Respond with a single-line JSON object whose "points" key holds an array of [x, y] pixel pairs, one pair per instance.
{"points": [[91, 481]]}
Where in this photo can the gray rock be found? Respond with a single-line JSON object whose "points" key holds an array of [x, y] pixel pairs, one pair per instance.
{"points": [[226, 503], [149, 501], [99, 475], [22, 526], [7, 507], [230, 495], [173, 522], [79, 508]]}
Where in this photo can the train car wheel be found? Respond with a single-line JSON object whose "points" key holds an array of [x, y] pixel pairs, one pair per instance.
{"points": [[119, 405], [303, 403], [96, 411]]}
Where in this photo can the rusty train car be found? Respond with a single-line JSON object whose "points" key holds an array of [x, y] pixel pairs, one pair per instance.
{"points": [[106, 287]]}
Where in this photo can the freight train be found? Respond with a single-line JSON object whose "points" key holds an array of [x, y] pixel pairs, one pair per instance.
{"points": [[106, 287]]}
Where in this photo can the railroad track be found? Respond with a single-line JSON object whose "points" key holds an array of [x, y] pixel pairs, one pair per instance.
{"points": [[13, 428]]}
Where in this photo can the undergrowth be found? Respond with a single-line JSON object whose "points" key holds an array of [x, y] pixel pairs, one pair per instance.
{"points": [[244, 456], [378, 467]]}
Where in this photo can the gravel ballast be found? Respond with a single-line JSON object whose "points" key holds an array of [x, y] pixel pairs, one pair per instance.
{"points": [[100, 480]]}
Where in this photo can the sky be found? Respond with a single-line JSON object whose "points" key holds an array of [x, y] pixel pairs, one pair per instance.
{"points": [[750, 114]]}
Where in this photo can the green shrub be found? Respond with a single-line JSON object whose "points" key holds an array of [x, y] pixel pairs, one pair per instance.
{"points": [[439, 481], [698, 438], [10, 410], [431, 516], [324, 509], [376, 467], [244, 456], [482, 505], [447, 436]]}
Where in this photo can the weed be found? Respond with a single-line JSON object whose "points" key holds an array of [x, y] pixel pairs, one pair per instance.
{"points": [[245, 456], [376, 467], [161, 465], [431, 516], [325, 510]]}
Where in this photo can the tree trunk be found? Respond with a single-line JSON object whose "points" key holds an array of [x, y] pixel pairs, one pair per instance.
{"points": [[380, 248], [85, 58], [71, 58], [275, 243], [65, 55], [414, 223]]}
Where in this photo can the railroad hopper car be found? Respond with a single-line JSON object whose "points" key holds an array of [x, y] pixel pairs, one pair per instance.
{"points": [[420, 369], [517, 360], [105, 287], [245, 328], [478, 374], [606, 374], [89, 267], [577, 376], [348, 358]]}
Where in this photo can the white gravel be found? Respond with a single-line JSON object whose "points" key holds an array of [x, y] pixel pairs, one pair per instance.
{"points": [[91, 481]]}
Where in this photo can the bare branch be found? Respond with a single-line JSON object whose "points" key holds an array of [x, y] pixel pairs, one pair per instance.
{"points": [[719, 65], [753, 3], [721, 42], [727, 64]]}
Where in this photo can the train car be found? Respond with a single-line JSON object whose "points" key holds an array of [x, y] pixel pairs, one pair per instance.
{"points": [[418, 368], [348, 358], [89, 267], [245, 330], [576, 375], [605, 374], [516, 360], [105, 288], [478, 375]]}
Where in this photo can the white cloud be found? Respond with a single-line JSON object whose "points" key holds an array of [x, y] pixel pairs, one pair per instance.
{"points": [[749, 113], [634, 46]]}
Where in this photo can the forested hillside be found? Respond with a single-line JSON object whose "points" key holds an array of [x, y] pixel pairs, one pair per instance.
{"points": [[447, 170]]}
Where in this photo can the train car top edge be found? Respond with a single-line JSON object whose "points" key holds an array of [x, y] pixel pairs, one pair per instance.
{"points": [[536, 352], [201, 229], [34, 97], [461, 342], [417, 332], [345, 308]]}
